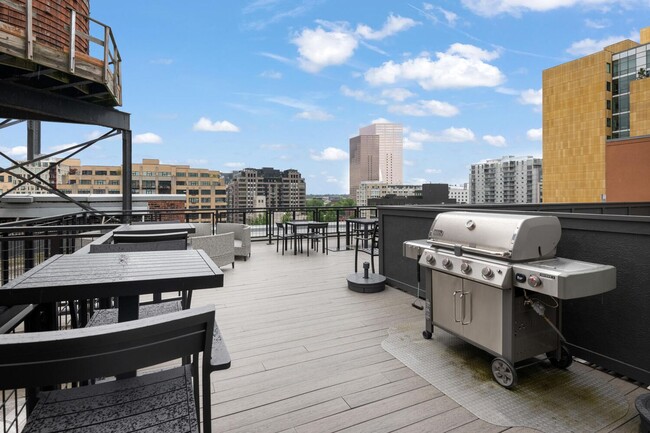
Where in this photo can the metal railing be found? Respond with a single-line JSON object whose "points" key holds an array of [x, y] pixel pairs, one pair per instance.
{"points": [[104, 42]]}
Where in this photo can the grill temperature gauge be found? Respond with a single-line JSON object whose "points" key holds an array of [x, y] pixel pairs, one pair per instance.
{"points": [[534, 281]]}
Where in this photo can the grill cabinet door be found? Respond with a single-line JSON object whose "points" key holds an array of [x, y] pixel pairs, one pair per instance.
{"points": [[446, 308], [483, 318]]}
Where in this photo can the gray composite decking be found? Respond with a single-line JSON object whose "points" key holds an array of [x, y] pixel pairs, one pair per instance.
{"points": [[307, 356]]}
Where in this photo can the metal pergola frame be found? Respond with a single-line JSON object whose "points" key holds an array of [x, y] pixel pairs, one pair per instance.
{"points": [[19, 103]]}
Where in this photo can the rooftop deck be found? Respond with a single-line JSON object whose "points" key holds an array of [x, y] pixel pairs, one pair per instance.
{"points": [[307, 356]]}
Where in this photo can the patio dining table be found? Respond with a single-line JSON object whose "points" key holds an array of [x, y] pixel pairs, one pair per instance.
{"points": [[295, 226], [124, 275], [353, 225]]}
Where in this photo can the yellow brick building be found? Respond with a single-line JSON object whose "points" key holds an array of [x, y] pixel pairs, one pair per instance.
{"points": [[586, 102], [203, 188]]}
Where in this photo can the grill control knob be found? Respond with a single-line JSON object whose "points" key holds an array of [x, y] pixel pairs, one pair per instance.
{"points": [[430, 259], [534, 281], [487, 273], [465, 268], [446, 263]]}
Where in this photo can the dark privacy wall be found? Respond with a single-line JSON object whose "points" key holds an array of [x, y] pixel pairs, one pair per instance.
{"points": [[612, 329]]}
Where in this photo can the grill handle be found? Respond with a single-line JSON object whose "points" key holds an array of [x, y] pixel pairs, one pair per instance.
{"points": [[464, 296], [458, 249], [456, 308]]}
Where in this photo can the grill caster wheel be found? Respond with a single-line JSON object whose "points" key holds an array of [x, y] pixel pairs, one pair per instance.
{"points": [[427, 335], [565, 358], [504, 373]]}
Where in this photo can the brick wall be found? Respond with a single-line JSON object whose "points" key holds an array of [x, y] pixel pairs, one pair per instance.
{"points": [[168, 204], [51, 21]]}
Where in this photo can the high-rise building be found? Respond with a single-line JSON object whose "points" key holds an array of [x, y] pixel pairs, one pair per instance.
{"points": [[588, 103], [376, 155], [507, 180], [276, 189]]}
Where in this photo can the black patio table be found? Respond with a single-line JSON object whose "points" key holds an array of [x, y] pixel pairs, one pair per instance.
{"points": [[124, 275], [295, 226], [155, 227], [354, 224]]}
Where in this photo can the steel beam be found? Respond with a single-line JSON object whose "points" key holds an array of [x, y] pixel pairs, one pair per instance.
{"points": [[19, 102], [127, 193]]}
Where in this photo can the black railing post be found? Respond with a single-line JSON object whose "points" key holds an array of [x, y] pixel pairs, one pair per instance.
{"points": [[4, 258]]}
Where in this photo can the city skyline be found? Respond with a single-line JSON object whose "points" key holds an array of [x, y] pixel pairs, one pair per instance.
{"points": [[286, 83]]}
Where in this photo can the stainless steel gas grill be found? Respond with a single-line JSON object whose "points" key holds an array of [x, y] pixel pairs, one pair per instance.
{"points": [[493, 280]]}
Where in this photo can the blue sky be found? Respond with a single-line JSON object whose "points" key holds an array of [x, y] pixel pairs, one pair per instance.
{"points": [[285, 83]]}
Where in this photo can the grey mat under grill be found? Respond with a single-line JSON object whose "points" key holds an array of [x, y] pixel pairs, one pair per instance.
{"points": [[547, 399]]}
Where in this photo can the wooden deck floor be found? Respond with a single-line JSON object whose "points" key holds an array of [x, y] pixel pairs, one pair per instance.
{"points": [[307, 356]]}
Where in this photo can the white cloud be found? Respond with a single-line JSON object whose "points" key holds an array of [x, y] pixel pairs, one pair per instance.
{"points": [[433, 171], [197, 162], [531, 97], [594, 24], [397, 94], [319, 48], [360, 95], [534, 134], [408, 163], [588, 46], [330, 154], [280, 59], [147, 138], [425, 108], [20, 152], [234, 165], [449, 135], [418, 181], [394, 24], [491, 8], [461, 66], [205, 124], [495, 140], [507, 91], [274, 75], [409, 144], [318, 115], [380, 120]]}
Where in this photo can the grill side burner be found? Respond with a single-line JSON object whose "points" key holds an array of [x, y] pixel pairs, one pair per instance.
{"points": [[492, 280]]}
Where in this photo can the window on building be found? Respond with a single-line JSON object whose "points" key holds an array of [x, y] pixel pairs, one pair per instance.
{"points": [[205, 174], [86, 172], [609, 122], [181, 174], [193, 192], [190, 174], [180, 191], [165, 173], [101, 172], [609, 104], [2, 178], [114, 173], [193, 183], [180, 183], [193, 200], [148, 173], [113, 191], [205, 200], [205, 183], [206, 192], [135, 174], [113, 182], [84, 191], [100, 182], [608, 86], [85, 182], [149, 184], [99, 191]]}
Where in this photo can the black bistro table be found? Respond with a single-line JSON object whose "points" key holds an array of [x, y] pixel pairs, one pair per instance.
{"points": [[154, 228], [296, 225], [124, 275], [358, 224]]}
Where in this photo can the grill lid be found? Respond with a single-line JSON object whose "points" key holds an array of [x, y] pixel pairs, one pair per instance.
{"points": [[514, 237]]}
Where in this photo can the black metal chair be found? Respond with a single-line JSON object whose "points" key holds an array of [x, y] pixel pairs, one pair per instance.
{"points": [[282, 235], [367, 243], [30, 360], [316, 234]]}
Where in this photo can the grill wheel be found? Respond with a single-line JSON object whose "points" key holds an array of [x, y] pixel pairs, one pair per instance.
{"points": [[504, 372]]}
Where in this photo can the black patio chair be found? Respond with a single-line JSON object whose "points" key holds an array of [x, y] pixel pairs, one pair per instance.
{"points": [[316, 235], [282, 235]]}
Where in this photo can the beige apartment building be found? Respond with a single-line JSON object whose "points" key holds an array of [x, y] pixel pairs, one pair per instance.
{"points": [[203, 188], [589, 103]]}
